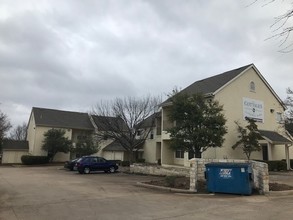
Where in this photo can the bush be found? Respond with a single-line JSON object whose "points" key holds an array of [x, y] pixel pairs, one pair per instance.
{"points": [[125, 163], [140, 160], [276, 165], [116, 161], [30, 160]]}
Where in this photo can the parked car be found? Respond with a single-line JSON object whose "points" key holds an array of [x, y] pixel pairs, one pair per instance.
{"points": [[70, 164], [87, 164]]}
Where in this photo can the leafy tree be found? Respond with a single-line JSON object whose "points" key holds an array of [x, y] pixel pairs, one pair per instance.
{"points": [[248, 138], [4, 127], [19, 133], [122, 120], [86, 146], [55, 142], [200, 123]]}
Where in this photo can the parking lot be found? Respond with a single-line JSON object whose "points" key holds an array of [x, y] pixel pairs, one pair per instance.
{"points": [[55, 193]]}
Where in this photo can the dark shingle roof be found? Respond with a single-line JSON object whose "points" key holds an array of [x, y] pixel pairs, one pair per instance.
{"points": [[212, 84], [15, 145], [102, 122], [149, 121], [114, 146], [62, 119], [274, 137]]}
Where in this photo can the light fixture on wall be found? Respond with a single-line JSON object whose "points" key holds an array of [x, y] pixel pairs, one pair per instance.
{"points": [[272, 110]]}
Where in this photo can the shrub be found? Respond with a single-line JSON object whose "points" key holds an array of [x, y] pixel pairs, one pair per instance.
{"points": [[140, 160], [276, 165], [116, 161], [125, 163], [30, 160]]}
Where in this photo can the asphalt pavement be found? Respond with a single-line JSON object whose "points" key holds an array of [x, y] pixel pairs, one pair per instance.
{"points": [[42, 193]]}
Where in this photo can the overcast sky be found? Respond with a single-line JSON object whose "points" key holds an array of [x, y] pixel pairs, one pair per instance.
{"points": [[71, 54]]}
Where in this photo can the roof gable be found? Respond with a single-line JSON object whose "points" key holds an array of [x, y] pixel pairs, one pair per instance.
{"points": [[214, 84], [61, 119], [15, 145], [104, 122]]}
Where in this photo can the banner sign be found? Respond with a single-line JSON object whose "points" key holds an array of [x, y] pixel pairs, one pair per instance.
{"points": [[253, 109]]}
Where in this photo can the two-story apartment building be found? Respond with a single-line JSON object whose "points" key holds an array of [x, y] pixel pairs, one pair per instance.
{"points": [[77, 126], [243, 92]]}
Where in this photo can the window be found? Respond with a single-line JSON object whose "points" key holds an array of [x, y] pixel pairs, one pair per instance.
{"points": [[279, 117], [252, 86], [151, 135], [179, 154]]}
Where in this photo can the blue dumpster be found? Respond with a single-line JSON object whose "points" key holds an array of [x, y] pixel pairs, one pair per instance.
{"points": [[232, 178]]}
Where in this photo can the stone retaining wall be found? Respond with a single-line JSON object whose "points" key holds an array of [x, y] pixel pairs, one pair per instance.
{"points": [[259, 170], [160, 170], [197, 169]]}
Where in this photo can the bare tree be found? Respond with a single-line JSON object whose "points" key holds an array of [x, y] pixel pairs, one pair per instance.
{"points": [[19, 133], [122, 120], [4, 127], [282, 27], [289, 112]]}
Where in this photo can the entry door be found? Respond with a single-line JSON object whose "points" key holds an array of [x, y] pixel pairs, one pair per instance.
{"points": [[265, 155]]}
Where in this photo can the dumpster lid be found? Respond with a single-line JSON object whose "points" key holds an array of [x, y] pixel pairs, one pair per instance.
{"points": [[219, 164]]}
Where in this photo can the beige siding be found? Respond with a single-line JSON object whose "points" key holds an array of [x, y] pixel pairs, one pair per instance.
{"points": [[231, 97], [31, 133]]}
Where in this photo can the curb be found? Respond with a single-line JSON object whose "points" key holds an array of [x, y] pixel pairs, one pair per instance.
{"points": [[163, 188], [281, 193], [169, 189], [185, 191]]}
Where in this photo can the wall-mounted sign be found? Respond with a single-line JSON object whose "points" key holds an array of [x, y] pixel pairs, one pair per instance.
{"points": [[253, 109]]}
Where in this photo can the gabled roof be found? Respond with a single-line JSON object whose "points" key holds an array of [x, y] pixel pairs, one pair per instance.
{"points": [[150, 121], [211, 85], [102, 122], [274, 137], [61, 119], [15, 145], [114, 146]]}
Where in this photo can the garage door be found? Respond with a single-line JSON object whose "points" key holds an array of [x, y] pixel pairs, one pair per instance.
{"points": [[10, 156], [113, 155]]}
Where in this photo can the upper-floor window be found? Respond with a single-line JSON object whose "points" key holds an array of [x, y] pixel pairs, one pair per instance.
{"points": [[151, 135], [252, 86]]}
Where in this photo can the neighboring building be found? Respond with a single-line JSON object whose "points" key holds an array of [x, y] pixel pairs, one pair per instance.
{"points": [[243, 92], [13, 150], [110, 149], [76, 125]]}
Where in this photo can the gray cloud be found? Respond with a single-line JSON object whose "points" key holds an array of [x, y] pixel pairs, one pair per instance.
{"points": [[71, 54]]}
